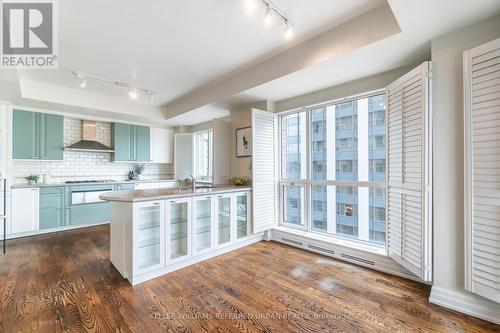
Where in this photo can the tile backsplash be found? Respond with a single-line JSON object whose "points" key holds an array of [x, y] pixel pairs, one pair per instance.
{"points": [[86, 165]]}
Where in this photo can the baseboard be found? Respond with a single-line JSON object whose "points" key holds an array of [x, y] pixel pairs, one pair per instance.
{"points": [[466, 303], [325, 246]]}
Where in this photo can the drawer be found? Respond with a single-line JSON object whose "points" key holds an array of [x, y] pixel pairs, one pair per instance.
{"points": [[51, 198], [90, 213]]}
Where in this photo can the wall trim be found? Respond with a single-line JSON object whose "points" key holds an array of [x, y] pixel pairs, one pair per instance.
{"points": [[465, 303]]}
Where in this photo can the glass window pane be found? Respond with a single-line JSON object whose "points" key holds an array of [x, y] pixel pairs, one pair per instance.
{"points": [[293, 146], [377, 215], [346, 135], [203, 147], [293, 205], [376, 133]]}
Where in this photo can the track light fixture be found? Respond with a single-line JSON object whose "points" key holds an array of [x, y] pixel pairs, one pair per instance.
{"points": [[272, 10], [133, 91]]}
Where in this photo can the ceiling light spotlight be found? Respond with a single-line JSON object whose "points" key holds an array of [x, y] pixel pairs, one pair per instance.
{"points": [[268, 17], [82, 77], [132, 93], [288, 32], [250, 5]]}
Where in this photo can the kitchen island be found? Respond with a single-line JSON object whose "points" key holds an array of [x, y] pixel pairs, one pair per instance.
{"points": [[156, 231]]}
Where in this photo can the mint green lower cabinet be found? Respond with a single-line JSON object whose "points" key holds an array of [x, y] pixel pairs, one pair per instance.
{"points": [[92, 213], [125, 187], [51, 207]]}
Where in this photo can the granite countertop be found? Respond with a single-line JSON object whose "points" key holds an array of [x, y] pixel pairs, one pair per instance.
{"points": [[24, 185], [164, 194]]}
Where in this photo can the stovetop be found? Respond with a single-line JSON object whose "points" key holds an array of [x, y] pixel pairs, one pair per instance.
{"points": [[89, 181]]}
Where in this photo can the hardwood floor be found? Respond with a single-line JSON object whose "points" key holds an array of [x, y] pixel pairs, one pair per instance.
{"points": [[65, 283]]}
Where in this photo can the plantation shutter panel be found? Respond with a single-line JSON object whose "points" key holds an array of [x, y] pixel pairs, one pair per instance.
{"points": [[263, 170], [409, 172], [482, 169], [183, 152]]}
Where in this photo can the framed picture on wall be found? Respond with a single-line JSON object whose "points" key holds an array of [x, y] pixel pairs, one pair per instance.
{"points": [[244, 142]]}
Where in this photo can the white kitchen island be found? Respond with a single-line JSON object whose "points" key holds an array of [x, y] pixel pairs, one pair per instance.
{"points": [[157, 231]]}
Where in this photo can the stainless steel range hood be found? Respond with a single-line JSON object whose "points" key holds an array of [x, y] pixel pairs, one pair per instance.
{"points": [[89, 142]]}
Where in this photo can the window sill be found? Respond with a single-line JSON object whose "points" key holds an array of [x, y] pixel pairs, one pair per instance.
{"points": [[357, 245]]}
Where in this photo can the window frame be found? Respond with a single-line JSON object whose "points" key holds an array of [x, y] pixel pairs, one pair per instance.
{"points": [[210, 155], [308, 182]]}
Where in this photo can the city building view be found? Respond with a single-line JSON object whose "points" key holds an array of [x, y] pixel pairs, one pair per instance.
{"points": [[346, 169]]}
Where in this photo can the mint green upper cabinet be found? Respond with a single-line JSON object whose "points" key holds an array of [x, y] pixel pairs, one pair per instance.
{"points": [[122, 143], [52, 130], [37, 136], [131, 142], [25, 135], [142, 143]]}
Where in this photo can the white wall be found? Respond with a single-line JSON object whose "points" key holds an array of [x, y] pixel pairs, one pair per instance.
{"points": [[448, 158]]}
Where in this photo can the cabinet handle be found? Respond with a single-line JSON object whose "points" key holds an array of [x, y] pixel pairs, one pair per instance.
{"points": [[172, 201], [208, 197], [156, 203]]}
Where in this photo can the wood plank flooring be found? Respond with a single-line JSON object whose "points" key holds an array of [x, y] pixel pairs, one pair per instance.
{"points": [[65, 283]]}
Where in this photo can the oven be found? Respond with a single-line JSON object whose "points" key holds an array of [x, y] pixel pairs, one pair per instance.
{"points": [[86, 196]]}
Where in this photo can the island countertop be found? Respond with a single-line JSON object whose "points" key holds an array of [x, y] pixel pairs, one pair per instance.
{"points": [[164, 194]]}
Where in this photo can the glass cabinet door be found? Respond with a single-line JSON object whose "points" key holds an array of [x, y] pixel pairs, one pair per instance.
{"points": [[223, 220], [150, 239], [203, 224], [178, 229], [241, 216]]}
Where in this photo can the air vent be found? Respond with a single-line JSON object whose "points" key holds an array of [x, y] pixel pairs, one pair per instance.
{"points": [[364, 261], [291, 241], [317, 248]]}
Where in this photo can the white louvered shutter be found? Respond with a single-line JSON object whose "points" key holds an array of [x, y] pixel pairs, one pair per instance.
{"points": [[221, 169], [482, 168], [263, 170], [409, 172], [183, 152]]}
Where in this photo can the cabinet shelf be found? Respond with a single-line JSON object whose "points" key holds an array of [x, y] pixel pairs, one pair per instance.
{"points": [[149, 242], [151, 225], [203, 230], [179, 220], [178, 236]]}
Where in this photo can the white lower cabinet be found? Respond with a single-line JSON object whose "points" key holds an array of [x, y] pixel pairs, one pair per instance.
{"points": [[149, 236], [174, 233], [178, 229], [25, 210]]}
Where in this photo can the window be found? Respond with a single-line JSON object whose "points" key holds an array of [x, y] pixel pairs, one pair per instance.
{"points": [[339, 152], [203, 155]]}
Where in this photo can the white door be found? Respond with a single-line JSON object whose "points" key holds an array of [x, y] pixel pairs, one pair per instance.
{"points": [[149, 236], [264, 176], [224, 219], [409, 172], [178, 216], [203, 224], [242, 215], [25, 209], [482, 169]]}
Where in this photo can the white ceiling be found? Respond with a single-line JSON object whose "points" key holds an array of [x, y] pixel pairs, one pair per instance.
{"points": [[420, 21], [175, 47]]}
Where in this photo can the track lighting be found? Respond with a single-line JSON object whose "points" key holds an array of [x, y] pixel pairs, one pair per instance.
{"points": [[268, 16], [133, 91], [83, 83], [272, 10]]}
